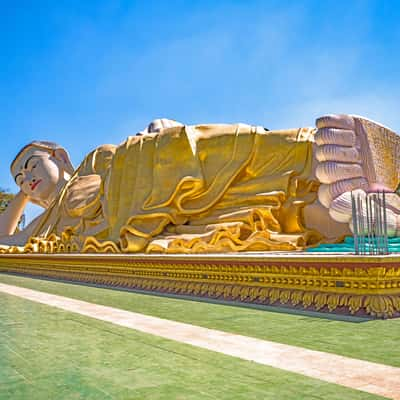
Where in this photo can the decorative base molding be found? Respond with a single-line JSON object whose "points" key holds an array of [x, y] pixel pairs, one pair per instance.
{"points": [[367, 285]]}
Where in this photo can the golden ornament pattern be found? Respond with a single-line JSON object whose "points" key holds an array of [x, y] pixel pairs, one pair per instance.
{"points": [[368, 285]]}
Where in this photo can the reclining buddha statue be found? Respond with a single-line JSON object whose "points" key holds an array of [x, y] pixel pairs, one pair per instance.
{"points": [[205, 188]]}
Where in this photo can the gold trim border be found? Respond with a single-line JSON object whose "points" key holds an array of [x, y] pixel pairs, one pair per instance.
{"points": [[368, 285]]}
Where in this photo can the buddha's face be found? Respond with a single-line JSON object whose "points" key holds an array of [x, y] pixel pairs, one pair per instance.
{"points": [[37, 174]]}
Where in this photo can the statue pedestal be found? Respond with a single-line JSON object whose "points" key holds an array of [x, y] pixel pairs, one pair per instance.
{"points": [[334, 283]]}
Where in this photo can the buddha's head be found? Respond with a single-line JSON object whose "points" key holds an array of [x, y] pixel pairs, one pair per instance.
{"points": [[41, 170]]}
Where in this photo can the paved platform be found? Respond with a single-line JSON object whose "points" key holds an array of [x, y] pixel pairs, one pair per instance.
{"points": [[362, 375]]}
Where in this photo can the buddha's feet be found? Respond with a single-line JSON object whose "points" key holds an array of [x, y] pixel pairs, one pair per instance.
{"points": [[356, 154]]}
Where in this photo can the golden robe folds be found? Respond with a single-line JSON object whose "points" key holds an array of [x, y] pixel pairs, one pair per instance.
{"points": [[191, 189]]}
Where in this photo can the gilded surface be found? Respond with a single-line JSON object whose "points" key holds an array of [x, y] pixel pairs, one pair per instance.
{"points": [[205, 188], [350, 285]]}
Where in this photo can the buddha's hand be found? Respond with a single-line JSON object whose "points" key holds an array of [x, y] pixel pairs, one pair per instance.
{"points": [[161, 123], [356, 154]]}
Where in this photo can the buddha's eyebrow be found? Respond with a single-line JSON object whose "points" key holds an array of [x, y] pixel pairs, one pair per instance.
{"points": [[25, 167], [27, 161]]}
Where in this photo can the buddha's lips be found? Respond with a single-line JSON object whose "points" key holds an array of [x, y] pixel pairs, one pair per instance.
{"points": [[35, 184]]}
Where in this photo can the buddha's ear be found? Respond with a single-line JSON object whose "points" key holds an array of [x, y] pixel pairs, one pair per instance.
{"points": [[62, 156]]}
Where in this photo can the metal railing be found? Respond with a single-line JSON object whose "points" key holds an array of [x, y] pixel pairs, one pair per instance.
{"points": [[370, 223]]}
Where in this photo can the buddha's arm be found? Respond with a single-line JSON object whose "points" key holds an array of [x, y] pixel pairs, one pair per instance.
{"points": [[12, 214], [20, 238]]}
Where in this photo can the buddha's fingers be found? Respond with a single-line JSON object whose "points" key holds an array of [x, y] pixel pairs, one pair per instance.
{"points": [[332, 152], [328, 192], [336, 121], [341, 137], [330, 171]]}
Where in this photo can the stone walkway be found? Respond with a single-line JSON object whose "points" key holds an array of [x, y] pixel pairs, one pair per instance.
{"points": [[366, 376]]}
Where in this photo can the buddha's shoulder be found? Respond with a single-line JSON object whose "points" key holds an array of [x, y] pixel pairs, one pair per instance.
{"points": [[82, 193], [97, 161]]}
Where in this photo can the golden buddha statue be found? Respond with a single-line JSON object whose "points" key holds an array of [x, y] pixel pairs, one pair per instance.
{"points": [[204, 188]]}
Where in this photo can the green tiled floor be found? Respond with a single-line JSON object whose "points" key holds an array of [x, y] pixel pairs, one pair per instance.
{"points": [[374, 340], [46, 353]]}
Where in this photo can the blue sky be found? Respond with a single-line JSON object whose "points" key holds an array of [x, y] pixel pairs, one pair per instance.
{"points": [[84, 73]]}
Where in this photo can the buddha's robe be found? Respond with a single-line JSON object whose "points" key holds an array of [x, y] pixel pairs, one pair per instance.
{"points": [[204, 188]]}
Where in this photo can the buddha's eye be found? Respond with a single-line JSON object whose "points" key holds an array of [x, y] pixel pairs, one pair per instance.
{"points": [[34, 166]]}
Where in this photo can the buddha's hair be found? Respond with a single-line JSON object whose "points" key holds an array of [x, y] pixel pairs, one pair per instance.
{"points": [[49, 147]]}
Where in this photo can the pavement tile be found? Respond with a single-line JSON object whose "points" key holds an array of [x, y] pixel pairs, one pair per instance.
{"points": [[357, 374]]}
